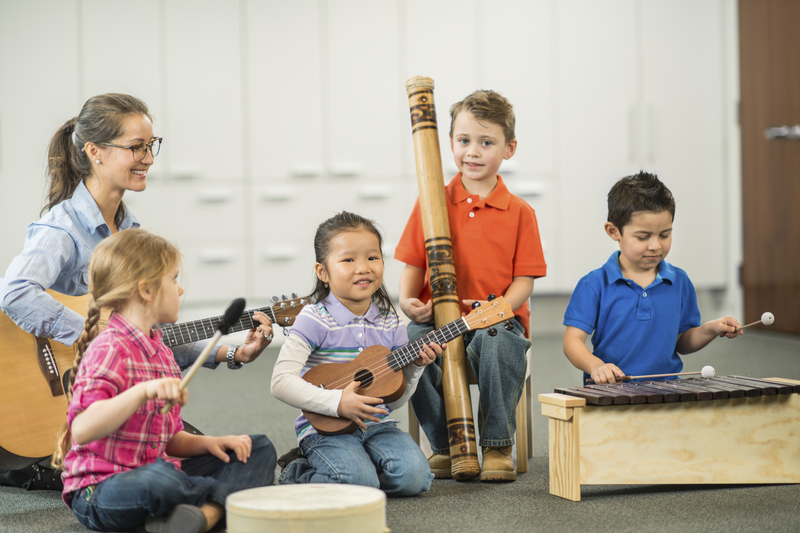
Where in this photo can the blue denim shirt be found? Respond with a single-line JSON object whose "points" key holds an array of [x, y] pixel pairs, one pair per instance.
{"points": [[56, 256]]}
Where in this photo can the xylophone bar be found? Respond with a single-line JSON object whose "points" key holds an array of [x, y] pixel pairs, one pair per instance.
{"points": [[678, 390]]}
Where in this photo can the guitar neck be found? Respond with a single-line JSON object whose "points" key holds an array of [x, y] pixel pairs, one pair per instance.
{"points": [[405, 355], [186, 332]]}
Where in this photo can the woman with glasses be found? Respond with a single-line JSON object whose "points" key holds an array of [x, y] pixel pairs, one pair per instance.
{"points": [[93, 160]]}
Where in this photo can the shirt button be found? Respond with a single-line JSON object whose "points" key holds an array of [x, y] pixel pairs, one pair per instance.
{"points": [[644, 294], [469, 200], [153, 445], [472, 215], [360, 334], [361, 349]]}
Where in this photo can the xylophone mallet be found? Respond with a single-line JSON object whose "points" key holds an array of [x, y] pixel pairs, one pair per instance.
{"points": [[707, 372], [767, 319]]}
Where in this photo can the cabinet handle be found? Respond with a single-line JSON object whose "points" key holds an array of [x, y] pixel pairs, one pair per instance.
{"points": [[651, 134], [790, 133], [215, 196], [216, 256], [632, 134]]}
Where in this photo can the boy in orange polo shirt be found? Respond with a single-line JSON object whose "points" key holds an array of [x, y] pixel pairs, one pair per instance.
{"points": [[496, 250]]}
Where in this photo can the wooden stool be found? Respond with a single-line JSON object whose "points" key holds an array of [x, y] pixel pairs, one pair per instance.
{"points": [[310, 508]]}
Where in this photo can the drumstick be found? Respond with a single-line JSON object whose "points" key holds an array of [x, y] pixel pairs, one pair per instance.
{"points": [[232, 315], [706, 372]]}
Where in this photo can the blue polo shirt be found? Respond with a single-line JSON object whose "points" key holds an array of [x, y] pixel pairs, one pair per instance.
{"points": [[635, 328]]}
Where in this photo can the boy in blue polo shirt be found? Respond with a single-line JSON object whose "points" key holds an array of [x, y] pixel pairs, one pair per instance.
{"points": [[643, 310]]}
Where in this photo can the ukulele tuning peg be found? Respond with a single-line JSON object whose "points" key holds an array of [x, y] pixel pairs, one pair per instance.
{"points": [[508, 325], [492, 297], [273, 299], [294, 295], [476, 304], [492, 332], [283, 297]]}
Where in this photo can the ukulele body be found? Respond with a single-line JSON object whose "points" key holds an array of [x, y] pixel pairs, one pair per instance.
{"points": [[377, 378]]}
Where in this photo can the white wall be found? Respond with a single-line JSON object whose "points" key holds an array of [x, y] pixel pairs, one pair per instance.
{"points": [[276, 115]]}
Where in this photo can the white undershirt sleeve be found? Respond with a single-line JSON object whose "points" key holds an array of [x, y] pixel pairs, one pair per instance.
{"points": [[290, 388]]}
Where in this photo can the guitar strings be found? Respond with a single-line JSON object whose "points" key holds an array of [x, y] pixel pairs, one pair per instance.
{"points": [[197, 330], [382, 368]]}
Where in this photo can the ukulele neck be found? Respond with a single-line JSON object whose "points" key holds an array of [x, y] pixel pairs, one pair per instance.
{"points": [[409, 353]]}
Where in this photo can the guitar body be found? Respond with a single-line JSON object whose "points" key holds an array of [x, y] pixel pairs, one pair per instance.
{"points": [[33, 400], [371, 368]]}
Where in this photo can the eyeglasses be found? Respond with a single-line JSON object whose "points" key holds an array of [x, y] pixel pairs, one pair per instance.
{"points": [[139, 151]]}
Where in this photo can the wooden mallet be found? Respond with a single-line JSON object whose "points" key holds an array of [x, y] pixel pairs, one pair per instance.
{"points": [[232, 315]]}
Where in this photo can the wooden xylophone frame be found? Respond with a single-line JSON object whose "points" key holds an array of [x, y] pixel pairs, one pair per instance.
{"points": [[751, 437]]}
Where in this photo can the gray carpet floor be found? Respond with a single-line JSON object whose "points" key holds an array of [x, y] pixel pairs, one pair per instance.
{"points": [[223, 402]]}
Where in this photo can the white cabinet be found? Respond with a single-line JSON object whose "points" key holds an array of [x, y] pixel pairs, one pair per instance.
{"points": [[204, 92], [121, 52], [639, 87], [284, 106], [364, 95], [38, 93]]}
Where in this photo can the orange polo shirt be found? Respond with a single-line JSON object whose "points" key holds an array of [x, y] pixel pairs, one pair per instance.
{"points": [[494, 240]]}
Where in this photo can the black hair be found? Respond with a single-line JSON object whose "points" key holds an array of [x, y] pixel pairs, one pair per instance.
{"points": [[340, 223], [637, 193]]}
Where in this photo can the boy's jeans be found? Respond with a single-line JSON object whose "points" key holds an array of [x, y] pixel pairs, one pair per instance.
{"points": [[382, 456], [123, 501], [499, 364]]}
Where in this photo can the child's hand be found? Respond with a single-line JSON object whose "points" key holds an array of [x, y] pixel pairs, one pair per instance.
{"points": [[428, 353], [167, 389], [357, 407], [726, 327], [238, 444], [257, 339], [417, 311], [607, 373]]}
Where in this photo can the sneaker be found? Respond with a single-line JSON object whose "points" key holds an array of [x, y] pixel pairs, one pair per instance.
{"points": [[440, 466], [498, 464], [289, 456], [184, 518]]}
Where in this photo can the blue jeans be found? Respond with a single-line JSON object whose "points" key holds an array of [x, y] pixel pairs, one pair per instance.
{"points": [[499, 364], [123, 501], [382, 456]]}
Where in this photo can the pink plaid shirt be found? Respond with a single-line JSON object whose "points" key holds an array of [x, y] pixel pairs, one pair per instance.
{"points": [[121, 356]]}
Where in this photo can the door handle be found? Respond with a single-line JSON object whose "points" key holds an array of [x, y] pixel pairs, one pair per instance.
{"points": [[791, 133]]}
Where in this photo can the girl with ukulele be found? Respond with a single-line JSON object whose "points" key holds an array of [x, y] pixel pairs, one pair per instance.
{"points": [[352, 311]]}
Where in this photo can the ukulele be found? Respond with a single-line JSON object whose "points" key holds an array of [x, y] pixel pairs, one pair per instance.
{"points": [[379, 369], [35, 371]]}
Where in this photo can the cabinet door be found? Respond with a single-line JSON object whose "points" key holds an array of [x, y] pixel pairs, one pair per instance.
{"points": [[203, 88], [285, 91], [440, 44], [595, 126], [38, 93], [364, 94], [682, 127], [515, 53], [111, 63]]}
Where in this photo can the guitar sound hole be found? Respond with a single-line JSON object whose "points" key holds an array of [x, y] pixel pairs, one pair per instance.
{"points": [[365, 377]]}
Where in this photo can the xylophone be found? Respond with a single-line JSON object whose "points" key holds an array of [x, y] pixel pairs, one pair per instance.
{"points": [[729, 429]]}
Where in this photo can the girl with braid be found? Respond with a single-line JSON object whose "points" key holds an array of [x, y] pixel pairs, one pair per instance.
{"points": [[116, 449]]}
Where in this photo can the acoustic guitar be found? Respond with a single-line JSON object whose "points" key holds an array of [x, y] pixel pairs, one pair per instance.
{"points": [[33, 381], [379, 369]]}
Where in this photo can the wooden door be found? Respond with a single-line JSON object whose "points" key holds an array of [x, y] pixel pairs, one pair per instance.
{"points": [[770, 98]]}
